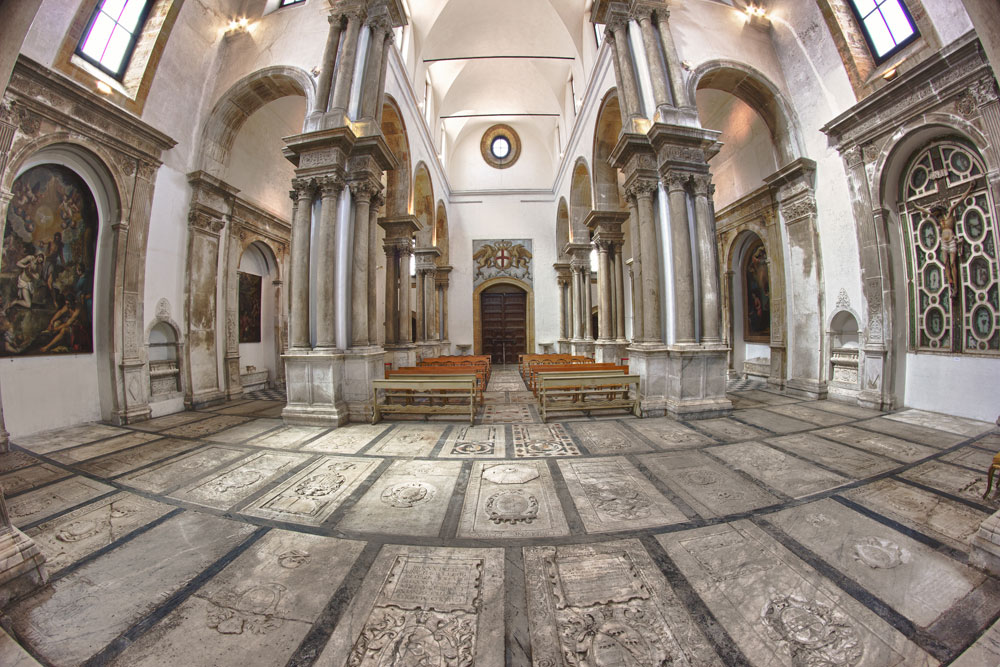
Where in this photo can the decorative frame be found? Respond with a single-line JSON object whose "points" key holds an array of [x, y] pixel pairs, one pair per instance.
{"points": [[486, 146]]}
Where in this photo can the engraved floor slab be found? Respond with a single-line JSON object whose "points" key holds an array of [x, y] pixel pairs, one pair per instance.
{"points": [[668, 434], [200, 429], [34, 505], [768, 398], [513, 499], [248, 408], [952, 479], [469, 442], [83, 531], [807, 413], [914, 579], [709, 487], [166, 475], [243, 432], [941, 518], [877, 443], [225, 488], [121, 462], [856, 411], [777, 609], [787, 474], [312, 495], [28, 478], [521, 397], [256, 611], [608, 437], [773, 422], [610, 494], [986, 650], [426, 605], [847, 460], [84, 452], [971, 457], [966, 427], [542, 440], [346, 439], [409, 440], [14, 460], [494, 398], [410, 498], [50, 441], [729, 430], [507, 414], [114, 582], [607, 604], [913, 432], [169, 421], [287, 437]]}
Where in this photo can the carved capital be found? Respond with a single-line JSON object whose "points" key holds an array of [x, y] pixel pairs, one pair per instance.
{"points": [[984, 91], [676, 180], [702, 186], [202, 221], [852, 156], [798, 208], [365, 190], [302, 188], [641, 188], [380, 23], [330, 186]]}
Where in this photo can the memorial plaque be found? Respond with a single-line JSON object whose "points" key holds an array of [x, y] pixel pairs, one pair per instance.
{"points": [[669, 434], [967, 427], [34, 505], [287, 437], [729, 554], [780, 471], [507, 414], [224, 488], [509, 508], [438, 584], [585, 581], [163, 476], [169, 421], [609, 437], [205, 427], [542, 440], [811, 415], [773, 422], [729, 430], [50, 441], [954, 480], [913, 432], [86, 452], [28, 478], [877, 443], [409, 440], [850, 461], [475, 442], [611, 494], [346, 439]]}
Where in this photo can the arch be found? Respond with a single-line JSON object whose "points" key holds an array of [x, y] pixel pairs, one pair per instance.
{"points": [[164, 352], [423, 204], [397, 194], [580, 202], [757, 91], [529, 312], [441, 238], [238, 103], [562, 230], [607, 193]]}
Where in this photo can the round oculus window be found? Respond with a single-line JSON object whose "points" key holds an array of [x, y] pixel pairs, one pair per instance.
{"points": [[500, 146]]}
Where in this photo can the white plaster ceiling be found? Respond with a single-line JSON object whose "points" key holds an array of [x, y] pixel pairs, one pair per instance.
{"points": [[499, 61]]}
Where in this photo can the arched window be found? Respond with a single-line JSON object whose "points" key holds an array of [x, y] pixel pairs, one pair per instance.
{"points": [[950, 243], [756, 295]]}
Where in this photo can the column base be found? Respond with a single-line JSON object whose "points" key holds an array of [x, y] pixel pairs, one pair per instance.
{"points": [[314, 383], [234, 388], [22, 568], [806, 388], [401, 355], [361, 366], [564, 346], [426, 349], [583, 347], [697, 382], [984, 547], [609, 351], [136, 403]]}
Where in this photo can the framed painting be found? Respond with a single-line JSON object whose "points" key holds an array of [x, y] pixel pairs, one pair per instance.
{"points": [[757, 295], [249, 308], [47, 265]]}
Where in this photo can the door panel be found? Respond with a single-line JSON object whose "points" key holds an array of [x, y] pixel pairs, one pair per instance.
{"points": [[503, 319]]}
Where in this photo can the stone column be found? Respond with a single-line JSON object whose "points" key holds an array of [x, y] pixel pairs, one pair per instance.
{"points": [[330, 188], [650, 285], [441, 278], [377, 200], [677, 88], [654, 58], [345, 65], [430, 305], [618, 26], [325, 82], [578, 302], [22, 564], [404, 250], [636, 268], [362, 191], [371, 95], [302, 195], [619, 287], [680, 238], [563, 284], [604, 289], [588, 303], [421, 334], [391, 292], [711, 329], [4, 435]]}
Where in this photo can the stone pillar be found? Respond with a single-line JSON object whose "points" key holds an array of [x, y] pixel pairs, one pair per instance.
{"points": [[604, 313], [377, 201], [391, 293], [330, 187], [680, 238], [629, 98], [619, 287], [654, 58], [345, 65], [588, 303], [419, 307], [711, 315], [635, 268], [427, 325], [22, 564], [204, 229], [794, 192], [676, 75], [325, 82], [441, 278], [606, 228], [398, 245], [644, 192], [404, 250], [362, 191], [371, 95], [563, 282], [430, 305], [302, 195], [231, 356]]}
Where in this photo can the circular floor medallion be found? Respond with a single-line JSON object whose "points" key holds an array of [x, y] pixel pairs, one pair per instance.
{"points": [[408, 494], [512, 507]]}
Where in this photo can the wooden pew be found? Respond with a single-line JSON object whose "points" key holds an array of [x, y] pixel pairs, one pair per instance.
{"points": [[587, 392], [442, 371], [568, 369], [426, 395], [479, 361], [551, 359]]}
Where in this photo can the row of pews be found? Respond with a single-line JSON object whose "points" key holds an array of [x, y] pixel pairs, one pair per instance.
{"points": [[447, 385], [565, 382]]}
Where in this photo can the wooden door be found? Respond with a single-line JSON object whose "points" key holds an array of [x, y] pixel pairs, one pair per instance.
{"points": [[503, 320]]}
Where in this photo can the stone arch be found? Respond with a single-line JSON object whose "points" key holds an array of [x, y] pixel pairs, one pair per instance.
{"points": [[885, 289], [164, 353], [397, 195], [607, 192], [734, 309], [759, 93], [441, 239], [562, 230], [238, 103], [580, 202], [423, 204], [529, 312]]}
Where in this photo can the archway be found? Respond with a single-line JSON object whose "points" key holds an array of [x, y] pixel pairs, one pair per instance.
{"points": [[397, 191], [580, 202], [442, 242], [607, 185], [494, 331], [258, 317], [750, 305]]}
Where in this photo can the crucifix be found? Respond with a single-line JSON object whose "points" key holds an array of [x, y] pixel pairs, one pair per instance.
{"points": [[943, 215]]}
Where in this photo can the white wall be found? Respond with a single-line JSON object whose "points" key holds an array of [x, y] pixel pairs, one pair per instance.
{"points": [[262, 354], [957, 385]]}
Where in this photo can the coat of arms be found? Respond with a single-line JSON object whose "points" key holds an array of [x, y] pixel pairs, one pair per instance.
{"points": [[502, 258]]}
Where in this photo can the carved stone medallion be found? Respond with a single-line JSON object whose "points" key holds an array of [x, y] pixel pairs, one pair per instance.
{"points": [[473, 448], [408, 494], [253, 610], [512, 507], [293, 559], [619, 498], [78, 530], [237, 479], [879, 553], [510, 474], [814, 633]]}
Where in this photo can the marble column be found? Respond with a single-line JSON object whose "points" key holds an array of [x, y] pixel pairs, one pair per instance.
{"points": [[680, 239], [618, 26], [371, 95], [391, 293], [377, 201], [404, 251], [330, 188], [619, 287], [345, 65], [604, 290], [421, 332], [302, 194], [362, 191], [430, 305], [638, 314], [325, 82], [578, 319], [654, 58], [588, 302], [676, 75], [711, 315], [650, 258]]}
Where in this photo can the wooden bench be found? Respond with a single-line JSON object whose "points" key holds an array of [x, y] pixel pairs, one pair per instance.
{"points": [[524, 361], [478, 361], [442, 371], [568, 369], [426, 395], [587, 392]]}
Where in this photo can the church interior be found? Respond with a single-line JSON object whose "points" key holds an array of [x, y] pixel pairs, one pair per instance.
{"points": [[534, 332]]}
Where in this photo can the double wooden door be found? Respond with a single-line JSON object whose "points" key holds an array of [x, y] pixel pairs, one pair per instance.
{"points": [[503, 318]]}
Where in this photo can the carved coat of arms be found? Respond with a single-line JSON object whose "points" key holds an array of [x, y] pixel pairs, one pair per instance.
{"points": [[508, 258]]}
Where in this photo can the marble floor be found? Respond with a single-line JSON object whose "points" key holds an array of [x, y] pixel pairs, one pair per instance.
{"points": [[799, 533]]}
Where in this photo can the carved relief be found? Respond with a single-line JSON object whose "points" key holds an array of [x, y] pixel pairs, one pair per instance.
{"points": [[879, 553], [812, 632], [293, 559], [253, 610], [408, 494], [511, 507]]}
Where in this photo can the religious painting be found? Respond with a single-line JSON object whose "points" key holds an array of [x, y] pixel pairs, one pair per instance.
{"points": [[47, 265], [506, 258], [757, 291], [249, 308]]}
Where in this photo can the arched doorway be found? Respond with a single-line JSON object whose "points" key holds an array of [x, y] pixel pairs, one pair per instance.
{"points": [[258, 317], [504, 312]]}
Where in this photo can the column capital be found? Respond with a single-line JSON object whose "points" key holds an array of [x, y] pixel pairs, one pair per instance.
{"points": [[641, 189], [302, 188], [330, 185], [701, 184], [365, 190], [676, 180]]}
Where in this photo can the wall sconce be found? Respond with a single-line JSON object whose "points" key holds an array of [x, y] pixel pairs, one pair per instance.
{"points": [[757, 17], [237, 26]]}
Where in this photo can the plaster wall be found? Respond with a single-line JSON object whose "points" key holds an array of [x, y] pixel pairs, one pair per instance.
{"points": [[260, 354], [166, 248], [941, 383], [950, 18], [469, 171]]}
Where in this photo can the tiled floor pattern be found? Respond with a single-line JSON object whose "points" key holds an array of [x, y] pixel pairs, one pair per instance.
{"points": [[791, 533]]}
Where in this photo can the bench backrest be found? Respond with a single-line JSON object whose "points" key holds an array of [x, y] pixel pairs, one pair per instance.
{"points": [[465, 382], [589, 380]]}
